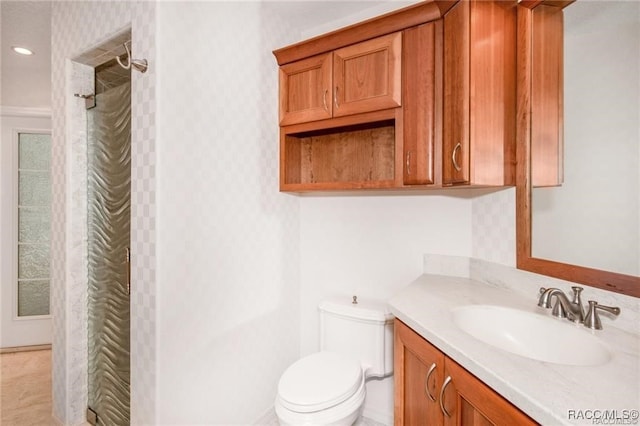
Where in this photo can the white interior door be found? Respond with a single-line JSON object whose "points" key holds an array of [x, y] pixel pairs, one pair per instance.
{"points": [[25, 213]]}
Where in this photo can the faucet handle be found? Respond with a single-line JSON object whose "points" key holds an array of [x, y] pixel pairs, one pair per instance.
{"points": [[576, 293], [592, 320]]}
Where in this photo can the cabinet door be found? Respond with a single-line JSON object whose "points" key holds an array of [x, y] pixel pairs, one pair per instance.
{"points": [[305, 90], [422, 102], [479, 93], [419, 368], [468, 401], [547, 92], [367, 75], [457, 70]]}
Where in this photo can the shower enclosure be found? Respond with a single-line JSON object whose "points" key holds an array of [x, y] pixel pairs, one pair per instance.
{"points": [[108, 221]]}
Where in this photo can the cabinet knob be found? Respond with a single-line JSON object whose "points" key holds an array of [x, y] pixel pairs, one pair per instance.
{"points": [[335, 97], [408, 163], [324, 99]]}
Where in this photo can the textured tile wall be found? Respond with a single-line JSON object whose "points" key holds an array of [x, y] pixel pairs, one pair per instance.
{"points": [[78, 27], [493, 227]]}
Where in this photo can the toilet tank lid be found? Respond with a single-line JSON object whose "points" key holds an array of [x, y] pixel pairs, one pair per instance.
{"points": [[365, 309]]}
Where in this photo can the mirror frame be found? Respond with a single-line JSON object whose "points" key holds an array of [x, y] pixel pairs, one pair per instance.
{"points": [[606, 280]]}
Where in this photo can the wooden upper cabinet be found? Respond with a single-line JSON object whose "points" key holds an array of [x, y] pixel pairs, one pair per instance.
{"points": [[367, 75], [422, 104], [479, 93], [359, 78], [547, 94], [306, 90]]}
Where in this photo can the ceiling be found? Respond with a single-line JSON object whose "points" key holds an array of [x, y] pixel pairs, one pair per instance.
{"points": [[26, 80]]}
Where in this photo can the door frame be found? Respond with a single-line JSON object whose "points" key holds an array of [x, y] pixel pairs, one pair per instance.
{"points": [[17, 331]]}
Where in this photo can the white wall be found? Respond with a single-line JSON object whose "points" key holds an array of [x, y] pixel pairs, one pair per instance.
{"points": [[372, 246], [228, 249]]}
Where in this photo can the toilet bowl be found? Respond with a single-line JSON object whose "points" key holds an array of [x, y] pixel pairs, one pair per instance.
{"points": [[328, 387]]}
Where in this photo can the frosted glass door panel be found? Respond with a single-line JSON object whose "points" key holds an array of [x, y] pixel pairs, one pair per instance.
{"points": [[34, 224], [108, 215], [33, 298]]}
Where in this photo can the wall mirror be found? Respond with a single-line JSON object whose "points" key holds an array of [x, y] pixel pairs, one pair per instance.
{"points": [[587, 229]]}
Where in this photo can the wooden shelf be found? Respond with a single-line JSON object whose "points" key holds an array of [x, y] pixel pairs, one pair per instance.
{"points": [[352, 156]]}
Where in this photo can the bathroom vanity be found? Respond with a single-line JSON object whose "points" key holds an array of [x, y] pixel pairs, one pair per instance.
{"points": [[423, 395], [447, 374]]}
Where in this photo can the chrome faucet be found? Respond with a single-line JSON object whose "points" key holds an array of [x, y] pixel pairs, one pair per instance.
{"points": [[563, 308], [573, 310]]}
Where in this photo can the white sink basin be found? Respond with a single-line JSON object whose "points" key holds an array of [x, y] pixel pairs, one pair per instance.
{"points": [[531, 335]]}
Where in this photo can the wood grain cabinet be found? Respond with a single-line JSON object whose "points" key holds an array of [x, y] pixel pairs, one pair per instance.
{"points": [[422, 104], [480, 93], [541, 87], [432, 389], [423, 97], [359, 78]]}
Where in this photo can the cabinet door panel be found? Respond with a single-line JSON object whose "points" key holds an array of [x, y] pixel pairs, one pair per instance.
{"points": [[305, 90], [479, 93], [547, 84], [471, 402], [367, 76], [422, 102], [455, 151], [416, 379]]}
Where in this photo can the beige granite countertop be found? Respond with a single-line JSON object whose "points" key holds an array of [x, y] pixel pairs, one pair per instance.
{"points": [[552, 394]]}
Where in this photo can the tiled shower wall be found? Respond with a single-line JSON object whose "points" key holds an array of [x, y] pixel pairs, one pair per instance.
{"points": [[76, 28]]}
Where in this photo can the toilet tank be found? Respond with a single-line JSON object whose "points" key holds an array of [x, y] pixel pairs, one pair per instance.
{"points": [[362, 330]]}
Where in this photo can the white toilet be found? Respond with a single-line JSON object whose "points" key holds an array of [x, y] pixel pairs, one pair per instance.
{"points": [[328, 387]]}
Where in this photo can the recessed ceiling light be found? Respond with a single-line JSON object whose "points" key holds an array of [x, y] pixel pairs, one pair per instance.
{"points": [[22, 50]]}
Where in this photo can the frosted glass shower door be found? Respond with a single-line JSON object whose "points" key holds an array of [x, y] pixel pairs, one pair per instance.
{"points": [[108, 217]]}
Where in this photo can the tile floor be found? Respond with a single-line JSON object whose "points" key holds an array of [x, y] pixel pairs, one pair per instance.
{"points": [[25, 388]]}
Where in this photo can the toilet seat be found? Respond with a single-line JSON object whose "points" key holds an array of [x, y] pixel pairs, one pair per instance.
{"points": [[319, 381]]}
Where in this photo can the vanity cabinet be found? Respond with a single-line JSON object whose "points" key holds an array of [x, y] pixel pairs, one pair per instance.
{"points": [[432, 389], [359, 78], [480, 93]]}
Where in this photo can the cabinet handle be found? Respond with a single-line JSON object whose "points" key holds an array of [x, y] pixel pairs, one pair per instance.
{"points": [[426, 384], [444, 386], [324, 99], [453, 156], [335, 97], [127, 258], [408, 163]]}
